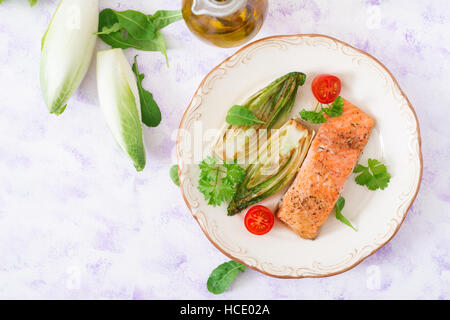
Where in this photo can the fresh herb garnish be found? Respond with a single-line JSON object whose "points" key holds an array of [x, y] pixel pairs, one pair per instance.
{"points": [[241, 116], [222, 276], [374, 176], [218, 181], [339, 206], [336, 109], [313, 116], [317, 116], [32, 2], [162, 18], [151, 115], [137, 24], [174, 175], [110, 29], [133, 29]]}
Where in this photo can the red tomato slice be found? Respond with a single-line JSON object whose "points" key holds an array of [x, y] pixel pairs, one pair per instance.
{"points": [[259, 220], [326, 88]]}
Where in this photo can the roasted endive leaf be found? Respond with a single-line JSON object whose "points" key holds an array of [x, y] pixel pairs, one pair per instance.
{"points": [[271, 107], [276, 164]]}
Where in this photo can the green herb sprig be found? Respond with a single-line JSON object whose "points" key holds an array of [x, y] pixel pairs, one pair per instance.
{"points": [[174, 175], [241, 116], [374, 176], [222, 276], [134, 29], [32, 2], [339, 207], [218, 182], [317, 116], [151, 114]]}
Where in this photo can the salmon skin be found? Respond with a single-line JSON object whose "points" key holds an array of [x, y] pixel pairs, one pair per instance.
{"points": [[333, 155]]}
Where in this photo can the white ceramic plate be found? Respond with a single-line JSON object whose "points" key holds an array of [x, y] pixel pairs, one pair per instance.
{"points": [[395, 141]]}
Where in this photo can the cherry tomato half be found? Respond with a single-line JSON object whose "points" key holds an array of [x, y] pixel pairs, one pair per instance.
{"points": [[326, 88], [259, 220]]}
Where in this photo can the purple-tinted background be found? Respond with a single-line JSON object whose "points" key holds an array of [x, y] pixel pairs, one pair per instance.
{"points": [[77, 221]]}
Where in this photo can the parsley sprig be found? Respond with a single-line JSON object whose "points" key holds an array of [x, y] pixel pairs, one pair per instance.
{"points": [[218, 181], [317, 116], [374, 176]]}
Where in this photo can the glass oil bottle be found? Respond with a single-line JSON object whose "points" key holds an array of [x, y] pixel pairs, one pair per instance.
{"points": [[225, 23]]}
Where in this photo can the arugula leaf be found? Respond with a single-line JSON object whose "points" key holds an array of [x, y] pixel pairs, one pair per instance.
{"points": [[110, 29], [163, 18], [333, 111], [132, 29], [158, 44], [374, 176], [137, 24], [151, 115], [174, 175], [339, 206], [217, 181], [241, 116], [108, 21], [222, 276]]}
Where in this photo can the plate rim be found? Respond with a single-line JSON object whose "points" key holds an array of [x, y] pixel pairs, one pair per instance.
{"points": [[419, 139]]}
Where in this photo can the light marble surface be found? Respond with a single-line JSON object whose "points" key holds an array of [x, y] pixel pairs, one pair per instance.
{"points": [[77, 221]]}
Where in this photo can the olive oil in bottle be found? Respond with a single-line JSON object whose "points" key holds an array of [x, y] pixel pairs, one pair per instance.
{"points": [[225, 23]]}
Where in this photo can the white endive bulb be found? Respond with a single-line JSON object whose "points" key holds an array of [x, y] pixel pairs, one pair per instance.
{"points": [[67, 49], [119, 100]]}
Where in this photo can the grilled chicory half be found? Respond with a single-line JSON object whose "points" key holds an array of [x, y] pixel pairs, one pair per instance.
{"points": [[278, 161], [67, 49], [119, 99], [272, 106]]}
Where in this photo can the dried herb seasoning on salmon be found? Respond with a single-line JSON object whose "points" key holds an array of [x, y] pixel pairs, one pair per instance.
{"points": [[333, 155]]}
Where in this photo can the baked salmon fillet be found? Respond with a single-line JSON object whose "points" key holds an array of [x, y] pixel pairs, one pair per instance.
{"points": [[333, 154]]}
